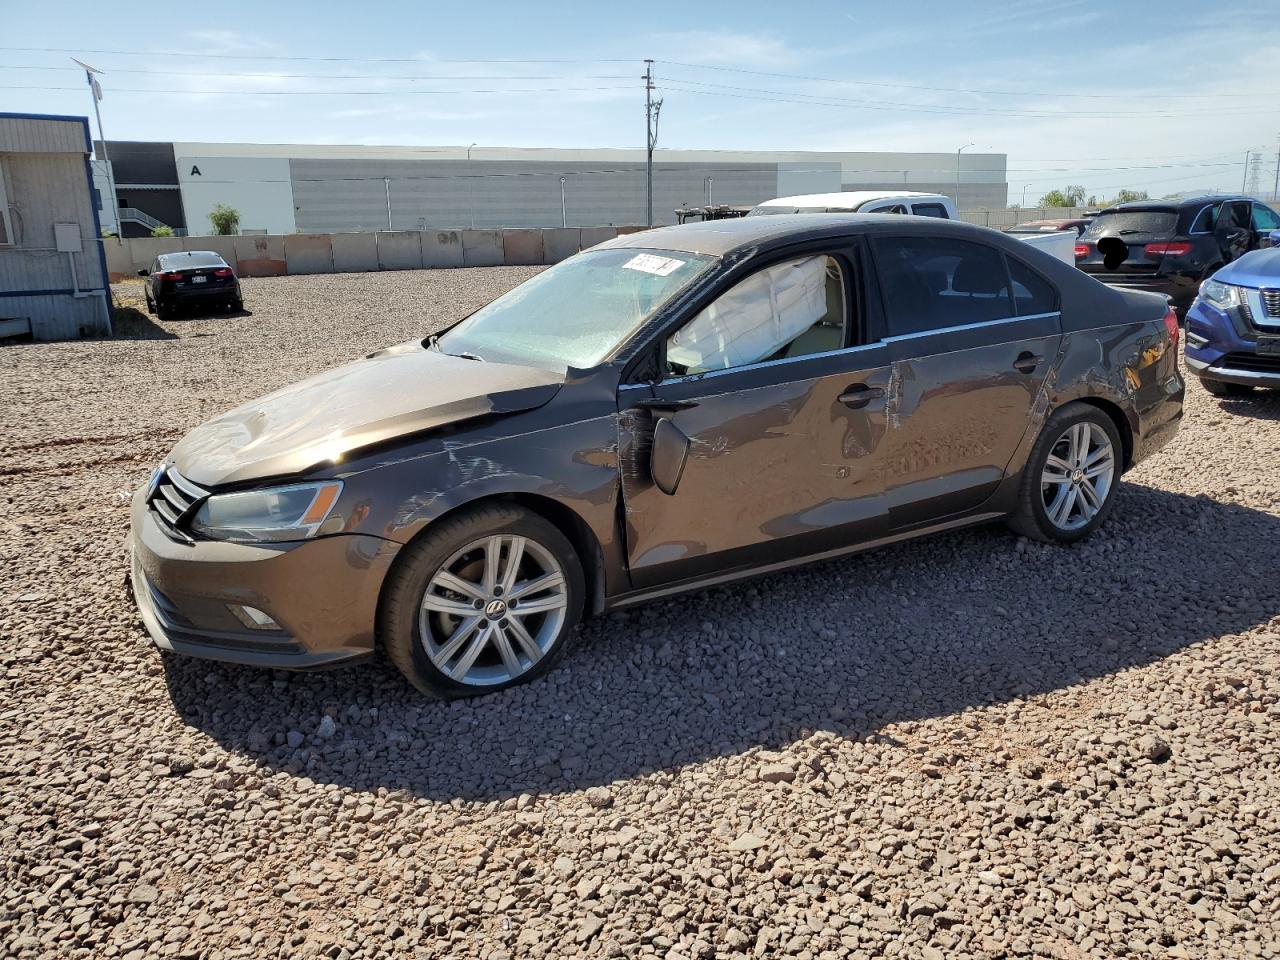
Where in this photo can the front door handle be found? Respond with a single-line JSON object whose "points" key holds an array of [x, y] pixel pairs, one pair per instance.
{"points": [[658, 405], [1027, 362], [859, 395]]}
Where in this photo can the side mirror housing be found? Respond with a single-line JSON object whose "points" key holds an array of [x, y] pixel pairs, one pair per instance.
{"points": [[1275, 238], [144, 273], [668, 456]]}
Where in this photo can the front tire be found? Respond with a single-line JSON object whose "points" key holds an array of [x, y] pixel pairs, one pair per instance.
{"points": [[1220, 388], [485, 600], [1070, 480]]}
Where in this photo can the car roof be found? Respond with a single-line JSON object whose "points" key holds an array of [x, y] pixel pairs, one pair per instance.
{"points": [[851, 198], [1179, 204], [717, 238]]}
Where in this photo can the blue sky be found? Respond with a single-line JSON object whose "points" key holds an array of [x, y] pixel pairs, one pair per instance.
{"points": [[1104, 94]]}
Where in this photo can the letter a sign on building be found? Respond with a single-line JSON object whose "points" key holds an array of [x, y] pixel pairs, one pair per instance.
{"points": [[195, 171]]}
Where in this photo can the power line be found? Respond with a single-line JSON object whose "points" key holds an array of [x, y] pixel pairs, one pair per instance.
{"points": [[324, 93], [913, 86], [266, 56], [340, 76], [779, 96]]}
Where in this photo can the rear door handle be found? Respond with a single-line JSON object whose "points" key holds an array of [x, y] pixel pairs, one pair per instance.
{"points": [[1027, 362], [859, 395], [658, 405]]}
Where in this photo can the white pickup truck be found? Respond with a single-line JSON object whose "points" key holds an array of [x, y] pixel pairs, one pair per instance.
{"points": [[1060, 244]]}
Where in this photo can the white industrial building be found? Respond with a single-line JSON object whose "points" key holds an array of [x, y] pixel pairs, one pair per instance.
{"points": [[290, 188]]}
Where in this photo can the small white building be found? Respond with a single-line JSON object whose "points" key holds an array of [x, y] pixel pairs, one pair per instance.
{"points": [[53, 271]]}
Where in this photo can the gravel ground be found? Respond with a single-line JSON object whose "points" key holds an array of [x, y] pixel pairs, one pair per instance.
{"points": [[966, 746]]}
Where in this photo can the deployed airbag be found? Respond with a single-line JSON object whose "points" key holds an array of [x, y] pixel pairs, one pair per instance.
{"points": [[754, 319]]}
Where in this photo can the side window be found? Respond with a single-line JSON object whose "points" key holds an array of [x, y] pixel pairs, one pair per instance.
{"points": [[791, 309], [1032, 293], [933, 282], [1204, 220], [929, 210], [1264, 218], [1234, 216], [891, 208]]}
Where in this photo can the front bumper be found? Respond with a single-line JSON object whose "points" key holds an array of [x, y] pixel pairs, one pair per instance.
{"points": [[323, 595], [1222, 343]]}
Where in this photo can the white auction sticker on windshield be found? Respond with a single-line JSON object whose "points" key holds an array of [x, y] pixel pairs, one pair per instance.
{"points": [[652, 263]]}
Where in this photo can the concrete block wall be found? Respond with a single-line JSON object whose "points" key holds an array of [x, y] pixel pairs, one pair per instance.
{"points": [[264, 255]]}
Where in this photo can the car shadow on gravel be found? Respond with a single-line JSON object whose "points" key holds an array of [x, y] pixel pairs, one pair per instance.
{"points": [[1259, 405], [923, 629]]}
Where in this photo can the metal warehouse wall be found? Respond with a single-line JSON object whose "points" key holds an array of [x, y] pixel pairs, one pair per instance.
{"points": [[44, 163], [336, 195]]}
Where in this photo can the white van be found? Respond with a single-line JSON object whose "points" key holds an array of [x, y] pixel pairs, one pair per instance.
{"points": [[862, 201]]}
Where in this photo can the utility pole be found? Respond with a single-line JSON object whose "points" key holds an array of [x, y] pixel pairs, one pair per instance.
{"points": [[1244, 181], [96, 90], [386, 182], [1275, 189], [1254, 170], [652, 108]]}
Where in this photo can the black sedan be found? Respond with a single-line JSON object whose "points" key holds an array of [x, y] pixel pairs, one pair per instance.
{"points": [[192, 277], [1172, 246], [668, 410]]}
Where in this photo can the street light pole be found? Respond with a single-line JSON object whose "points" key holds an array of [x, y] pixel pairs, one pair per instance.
{"points": [[564, 217], [1024, 193], [469, 153], [958, 152], [386, 182], [96, 91], [710, 181]]}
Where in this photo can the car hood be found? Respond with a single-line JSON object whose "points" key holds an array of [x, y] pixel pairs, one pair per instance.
{"points": [[392, 393], [1261, 268]]}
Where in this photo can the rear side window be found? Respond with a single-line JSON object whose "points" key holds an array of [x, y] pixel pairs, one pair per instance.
{"points": [[928, 283], [1264, 218], [1203, 222], [1123, 223], [1032, 293], [930, 210]]}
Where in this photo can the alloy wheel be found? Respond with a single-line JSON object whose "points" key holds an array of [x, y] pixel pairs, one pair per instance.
{"points": [[1077, 475], [493, 610]]}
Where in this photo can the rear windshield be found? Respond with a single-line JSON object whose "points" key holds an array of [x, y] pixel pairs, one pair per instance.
{"points": [[1124, 223], [179, 261]]}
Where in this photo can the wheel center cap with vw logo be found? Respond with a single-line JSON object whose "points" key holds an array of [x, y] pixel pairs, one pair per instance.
{"points": [[1077, 476], [495, 609]]}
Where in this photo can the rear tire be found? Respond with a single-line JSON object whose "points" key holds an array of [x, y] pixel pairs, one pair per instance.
{"points": [[164, 311], [1069, 483], [1220, 388], [450, 618]]}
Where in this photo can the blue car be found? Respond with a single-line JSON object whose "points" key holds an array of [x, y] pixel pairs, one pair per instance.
{"points": [[1233, 327]]}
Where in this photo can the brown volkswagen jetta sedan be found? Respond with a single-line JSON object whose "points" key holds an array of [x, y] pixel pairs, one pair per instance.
{"points": [[665, 411]]}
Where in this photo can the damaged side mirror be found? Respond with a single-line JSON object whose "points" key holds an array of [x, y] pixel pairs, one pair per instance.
{"points": [[668, 455]]}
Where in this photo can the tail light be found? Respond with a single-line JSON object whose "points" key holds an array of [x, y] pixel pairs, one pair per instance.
{"points": [[1171, 324], [1177, 249], [1082, 251], [223, 272], [169, 275]]}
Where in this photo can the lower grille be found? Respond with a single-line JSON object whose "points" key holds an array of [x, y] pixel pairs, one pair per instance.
{"points": [[173, 500], [1271, 303], [1252, 362]]}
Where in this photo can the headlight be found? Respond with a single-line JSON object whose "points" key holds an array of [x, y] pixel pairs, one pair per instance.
{"points": [[270, 515], [1220, 294]]}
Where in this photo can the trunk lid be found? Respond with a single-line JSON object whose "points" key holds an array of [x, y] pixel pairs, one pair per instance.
{"points": [[1116, 242]]}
